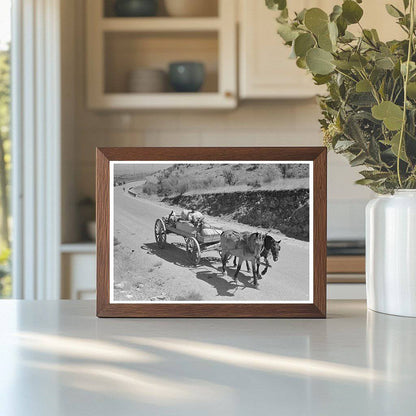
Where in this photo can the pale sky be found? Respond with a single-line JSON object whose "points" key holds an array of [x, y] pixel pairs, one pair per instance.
{"points": [[4, 22]]}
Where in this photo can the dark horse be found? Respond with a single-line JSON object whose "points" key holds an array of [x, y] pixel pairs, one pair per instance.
{"points": [[270, 246], [245, 246]]}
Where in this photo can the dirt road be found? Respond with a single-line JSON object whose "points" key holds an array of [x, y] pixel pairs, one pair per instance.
{"points": [[143, 271]]}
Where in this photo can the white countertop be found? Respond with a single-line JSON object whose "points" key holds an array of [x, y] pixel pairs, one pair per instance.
{"points": [[57, 359]]}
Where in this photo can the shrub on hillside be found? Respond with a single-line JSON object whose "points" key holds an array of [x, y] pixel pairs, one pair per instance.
{"points": [[254, 183], [150, 188], [294, 171], [271, 173], [229, 177], [182, 186]]}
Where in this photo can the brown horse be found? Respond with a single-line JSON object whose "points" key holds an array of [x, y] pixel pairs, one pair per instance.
{"points": [[271, 246], [245, 246]]}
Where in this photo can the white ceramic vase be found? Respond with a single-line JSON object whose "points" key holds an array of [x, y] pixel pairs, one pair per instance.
{"points": [[391, 253]]}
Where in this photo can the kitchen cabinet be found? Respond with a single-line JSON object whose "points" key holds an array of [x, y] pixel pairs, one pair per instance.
{"points": [[78, 264], [265, 70], [118, 45]]}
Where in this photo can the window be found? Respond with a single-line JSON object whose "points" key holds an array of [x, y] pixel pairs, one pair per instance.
{"points": [[5, 145]]}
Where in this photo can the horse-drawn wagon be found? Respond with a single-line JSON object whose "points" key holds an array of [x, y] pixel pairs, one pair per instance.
{"points": [[198, 235]]}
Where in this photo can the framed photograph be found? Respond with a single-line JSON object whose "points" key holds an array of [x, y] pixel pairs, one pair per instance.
{"points": [[211, 232]]}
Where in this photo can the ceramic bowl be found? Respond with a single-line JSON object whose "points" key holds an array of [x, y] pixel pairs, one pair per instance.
{"points": [[186, 76], [147, 80], [135, 8]]}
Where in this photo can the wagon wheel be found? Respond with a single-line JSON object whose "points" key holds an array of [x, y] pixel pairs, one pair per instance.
{"points": [[160, 233], [193, 250]]}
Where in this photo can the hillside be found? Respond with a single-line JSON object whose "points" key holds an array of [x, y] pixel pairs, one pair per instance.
{"points": [[286, 211], [271, 196], [214, 177]]}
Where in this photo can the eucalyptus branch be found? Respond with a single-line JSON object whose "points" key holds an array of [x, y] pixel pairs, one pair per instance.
{"points": [[346, 75], [378, 121], [373, 89], [392, 90], [406, 80]]}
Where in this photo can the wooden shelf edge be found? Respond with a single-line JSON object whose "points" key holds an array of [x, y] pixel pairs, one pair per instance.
{"points": [[81, 247], [346, 264], [345, 278], [125, 101], [159, 24]]}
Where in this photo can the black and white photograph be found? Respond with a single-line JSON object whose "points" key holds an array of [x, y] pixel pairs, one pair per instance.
{"points": [[211, 232]]}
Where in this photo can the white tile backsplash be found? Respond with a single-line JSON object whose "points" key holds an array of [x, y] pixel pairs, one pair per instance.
{"points": [[287, 123]]}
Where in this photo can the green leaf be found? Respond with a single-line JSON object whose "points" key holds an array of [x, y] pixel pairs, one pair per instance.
{"points": [[393, 11], [394, 145], [358, 160], [284, 14], [321, 79], [324, 42], [368, 36], [406, 4], [412, 67], [385, 63], [396, 71], [336, 12], [364, 181], [391, 114], [319, 61], [377, 75], [375, 35], [354, 131], [351, 11], [342, 25], [374, 150], [343, 145], [300, 17], [374, 175], [343, 65], [276, 4], [348, 37], [286, 32], [361, 99], [333, 32], [303, 43], [363, 86], [411, 90], [358, 61], [316, 20], [301, 63], [327, 40], [382, 88]]}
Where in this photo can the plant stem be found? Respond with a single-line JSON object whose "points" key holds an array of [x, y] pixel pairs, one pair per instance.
{"points": [[406, 80], [373, 89], [345, 75]]}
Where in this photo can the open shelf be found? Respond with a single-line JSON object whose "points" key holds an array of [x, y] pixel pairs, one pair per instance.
{"points": [[127, 51], [116, 46]]}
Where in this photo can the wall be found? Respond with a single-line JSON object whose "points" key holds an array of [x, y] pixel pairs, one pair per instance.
{"points": [[264, 123]]}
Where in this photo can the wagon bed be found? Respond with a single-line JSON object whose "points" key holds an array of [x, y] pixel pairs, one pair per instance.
{"points": [[195, 241]]}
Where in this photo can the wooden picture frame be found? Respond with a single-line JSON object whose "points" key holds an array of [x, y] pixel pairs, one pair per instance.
{"points": [[315, 308]]}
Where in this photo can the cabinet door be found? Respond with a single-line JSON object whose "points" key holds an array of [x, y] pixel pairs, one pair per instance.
{"points": [[265, 68]]}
